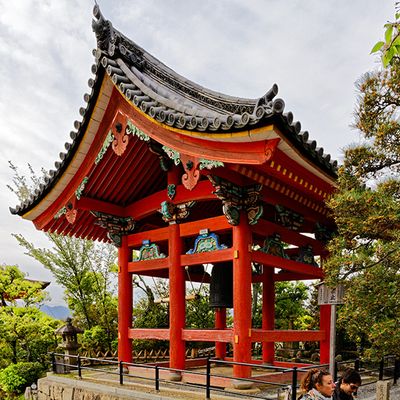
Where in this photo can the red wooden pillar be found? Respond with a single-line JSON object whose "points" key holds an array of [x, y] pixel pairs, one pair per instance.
{"points": [[220, 323], [125, 298], [177, 299], [242, 296], [268, 313], [325, 325]]}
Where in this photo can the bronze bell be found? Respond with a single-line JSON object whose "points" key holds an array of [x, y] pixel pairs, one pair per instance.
{"points": [[221, 285]]}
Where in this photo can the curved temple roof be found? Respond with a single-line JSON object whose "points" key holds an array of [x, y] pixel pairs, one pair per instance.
{"points": [[172, 100]]}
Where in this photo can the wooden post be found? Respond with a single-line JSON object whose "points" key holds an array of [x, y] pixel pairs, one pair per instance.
{"points": [[268, 313], [242, 296], [325, 325], [220, 323], [177, 300], [125, 299]]}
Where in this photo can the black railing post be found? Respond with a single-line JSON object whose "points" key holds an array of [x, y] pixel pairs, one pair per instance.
{"points": [[357, 364], [121, 373], [208, 379], [294, 383], [381, 364], [79, 367], [396, 373], [53, 363], [157, 380]]}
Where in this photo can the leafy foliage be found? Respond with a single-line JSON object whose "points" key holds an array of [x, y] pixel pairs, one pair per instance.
{"points": [[16, 377], [365, 255], [85, 269], [26, 333], [390, 46]]}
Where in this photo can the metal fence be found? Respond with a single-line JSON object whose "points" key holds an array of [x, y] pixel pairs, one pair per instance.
{"points": [[286, 386]]}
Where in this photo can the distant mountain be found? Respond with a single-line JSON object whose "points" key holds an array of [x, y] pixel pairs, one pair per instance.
{"points": [[58, 312]]}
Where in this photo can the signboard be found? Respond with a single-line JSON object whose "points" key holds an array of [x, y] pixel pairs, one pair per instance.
{"points": [[328, 295]]}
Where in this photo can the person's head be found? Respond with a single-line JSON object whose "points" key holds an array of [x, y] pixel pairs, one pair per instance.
{"points": [[350, 381], [320, 380]]}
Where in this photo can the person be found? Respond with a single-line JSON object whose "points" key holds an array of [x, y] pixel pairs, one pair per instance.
{"points": [[317, 384], [346, 387]]}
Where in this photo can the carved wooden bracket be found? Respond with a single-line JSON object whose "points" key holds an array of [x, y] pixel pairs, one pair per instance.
{"points": [[235, 198], [175, 213], [121, 138], [116, 226]]}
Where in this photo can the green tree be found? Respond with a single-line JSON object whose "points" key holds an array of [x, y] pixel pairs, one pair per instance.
{"points": [[26, 333], [84, 268], [365, 255], [390, 46]]}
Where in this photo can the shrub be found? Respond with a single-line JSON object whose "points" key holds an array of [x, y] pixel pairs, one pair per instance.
{"points": [[16, 377]]}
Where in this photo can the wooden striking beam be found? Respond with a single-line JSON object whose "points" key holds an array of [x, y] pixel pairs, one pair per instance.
{"points": [[289, 276], [160, 334], [260, 335], [208, 335], [289, 265]]}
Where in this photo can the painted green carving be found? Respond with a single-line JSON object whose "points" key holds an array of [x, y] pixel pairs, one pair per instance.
{"points": [[60, 212], [206, 242], [236, 198], [306, 256], [209, 164], [172, 213], [172, 154], [274, 246], [171, 191], [81, 188], [288, 218], [106, 144], [148, 251], [134, 130]]}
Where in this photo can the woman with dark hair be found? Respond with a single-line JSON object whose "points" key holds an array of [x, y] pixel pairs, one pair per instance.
{"points": [[317, 384]]}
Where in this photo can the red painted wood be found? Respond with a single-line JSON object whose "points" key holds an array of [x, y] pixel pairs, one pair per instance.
{"points": [[89, 204], [277, 262], [207, 257], [125, 298], [215, 224], [260, 335], [230, 152], [268, 313], [86, 165], [242, 241], [160, 334], [208, 335], [324, 325], [154, 235], [266, 228], [140, 267], [220, 323], [177, 299]]}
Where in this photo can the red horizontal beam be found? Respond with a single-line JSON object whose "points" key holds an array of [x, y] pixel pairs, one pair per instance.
{"points": [[140, 267], [261, 335], [86, 203], [154, 235], [208, 335], [207, 257], [161, 334], [266, 228], [215, 224], [289, 265]]}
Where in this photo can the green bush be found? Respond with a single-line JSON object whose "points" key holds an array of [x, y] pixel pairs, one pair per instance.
{"points": [[16, 377]]}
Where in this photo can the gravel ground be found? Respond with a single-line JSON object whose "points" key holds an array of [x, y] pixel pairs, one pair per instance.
{"points": [[368, 392]]}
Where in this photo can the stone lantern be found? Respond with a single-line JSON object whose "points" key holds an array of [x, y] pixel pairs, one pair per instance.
{"points": [[69, 334]]}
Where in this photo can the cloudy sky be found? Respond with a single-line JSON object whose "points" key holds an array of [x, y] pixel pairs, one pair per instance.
{"points": [[314, 50]]}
